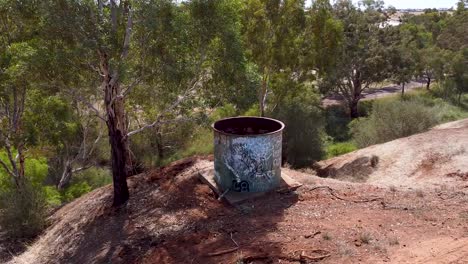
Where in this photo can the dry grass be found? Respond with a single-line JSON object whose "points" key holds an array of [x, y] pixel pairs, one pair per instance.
{"points": [[326, 236], [365, 238]]}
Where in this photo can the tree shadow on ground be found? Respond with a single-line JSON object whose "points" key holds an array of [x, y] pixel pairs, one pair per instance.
{"points": [[173, 217]]}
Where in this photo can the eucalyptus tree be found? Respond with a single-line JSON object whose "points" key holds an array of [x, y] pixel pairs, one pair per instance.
{"points": [[324, 34], [459, 72], [273, 33], [124, 50], [408, 58], [19, 57], [362, 59]]}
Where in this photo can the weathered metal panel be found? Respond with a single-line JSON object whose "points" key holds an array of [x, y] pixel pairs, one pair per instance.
{"points": [[248, 163]]}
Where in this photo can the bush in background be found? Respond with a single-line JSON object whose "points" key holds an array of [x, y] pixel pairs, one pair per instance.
{"points": [[85, 182], [337, 121], [339, 148], [23, 212], [393, 119], [303, 135]]}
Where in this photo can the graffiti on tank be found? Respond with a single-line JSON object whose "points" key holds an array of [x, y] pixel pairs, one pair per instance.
{"points": [[242, 186], [244, 164], [247, 164]]}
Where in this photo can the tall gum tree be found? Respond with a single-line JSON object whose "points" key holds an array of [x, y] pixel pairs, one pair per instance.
{"points": [[362, 57], [273, 37], [130, 46], [19, 59]]}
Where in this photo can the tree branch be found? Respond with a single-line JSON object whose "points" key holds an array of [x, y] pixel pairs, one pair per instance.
{"points": [[195, 85], [113, 7], [91, 106], [10, 156], [5, 167], [128, 33], [81, 169], [131, 86]]}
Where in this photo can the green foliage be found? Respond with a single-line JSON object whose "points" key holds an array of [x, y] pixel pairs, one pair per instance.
{"points": [[326, 33], [302, 137], [252, 111], [76, 190], [50, 120], [336, 123], [23, 212], [363, 56], [199, 141], [80, 184], [392, 120], [95, 177], [52, 196], [35, 170], [339, 148], [228, 110]]}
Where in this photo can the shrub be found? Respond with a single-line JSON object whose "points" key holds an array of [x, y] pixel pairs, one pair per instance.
{"points": [[339, 148], [302, 137], [200, 139], [76, 190], [23, 212], [52, 196], [393, 119], [227, 110], [336, 123], [254, 110], [95, 177]]}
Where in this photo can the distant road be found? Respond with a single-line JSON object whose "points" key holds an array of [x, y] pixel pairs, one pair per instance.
{"points": [[371, 94]]}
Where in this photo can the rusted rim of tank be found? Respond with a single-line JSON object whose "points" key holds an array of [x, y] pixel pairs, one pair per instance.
{"points": [[280, 126]]}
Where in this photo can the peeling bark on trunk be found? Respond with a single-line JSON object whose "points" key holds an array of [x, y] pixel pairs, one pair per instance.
{"points": [[159, 145], [263, 93], [261, 97], [117, 131], [66, 176], [12, 111]]}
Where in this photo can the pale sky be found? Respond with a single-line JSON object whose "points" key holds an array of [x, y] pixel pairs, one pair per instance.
{"points": [[403, 4]]}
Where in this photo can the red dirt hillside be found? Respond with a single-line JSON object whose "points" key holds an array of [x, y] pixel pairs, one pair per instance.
{"points": [[411, 206]]}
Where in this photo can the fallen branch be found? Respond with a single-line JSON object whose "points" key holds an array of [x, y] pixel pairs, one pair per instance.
{"points": [[313, 235], [303, 257], [325, 254], [226, 251], [222, 252], [333, 193]]}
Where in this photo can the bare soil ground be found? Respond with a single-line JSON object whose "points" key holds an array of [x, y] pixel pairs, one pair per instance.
{"points": [[410, 207]]}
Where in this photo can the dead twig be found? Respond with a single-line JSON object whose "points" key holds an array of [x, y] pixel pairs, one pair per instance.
{"points": [[313, 235], [222, 252], [333, 193], [237, 245], [301, 258], [325, 254], [226, 251]]}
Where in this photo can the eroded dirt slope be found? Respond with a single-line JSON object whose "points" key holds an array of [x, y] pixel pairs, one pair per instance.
{"points": [[434, 159], [396, 215]]}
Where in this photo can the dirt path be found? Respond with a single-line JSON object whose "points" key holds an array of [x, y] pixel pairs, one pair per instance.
{"points": [[375, 93]]}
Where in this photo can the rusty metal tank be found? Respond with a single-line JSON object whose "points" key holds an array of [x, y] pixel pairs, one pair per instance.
{"points": [[247, 153]]}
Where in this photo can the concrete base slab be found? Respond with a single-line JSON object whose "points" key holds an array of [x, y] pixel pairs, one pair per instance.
{"points": [[207, 176]]}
